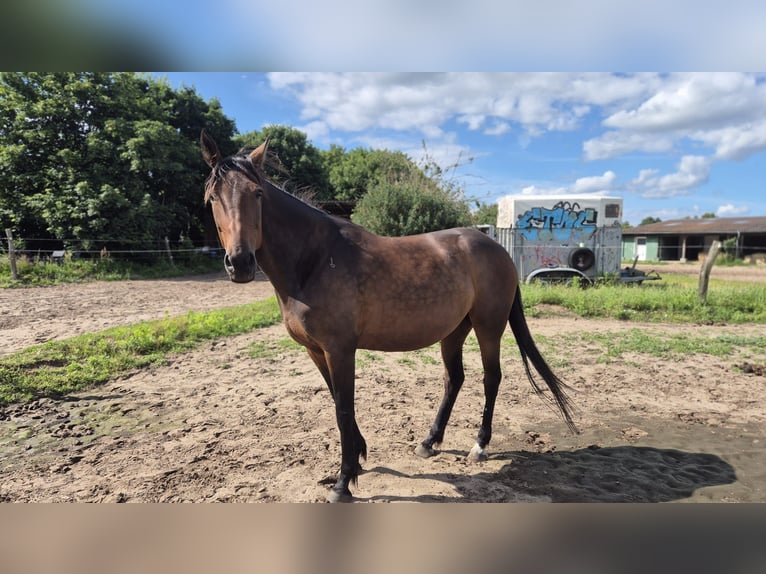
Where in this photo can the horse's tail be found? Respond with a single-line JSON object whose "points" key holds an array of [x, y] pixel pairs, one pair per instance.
{"points": [[529, 352]]}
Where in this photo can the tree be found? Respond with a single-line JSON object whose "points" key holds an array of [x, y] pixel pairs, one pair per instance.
{"points": [[300, 163], [649, 220], [485, 214], [91, 156], [352, 173]]}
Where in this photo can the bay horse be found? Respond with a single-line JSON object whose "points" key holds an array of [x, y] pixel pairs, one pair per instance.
{"points": [[341, 288]]}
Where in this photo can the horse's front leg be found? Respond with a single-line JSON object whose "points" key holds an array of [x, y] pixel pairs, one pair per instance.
{"points": [[342, 373], [318, 356]]}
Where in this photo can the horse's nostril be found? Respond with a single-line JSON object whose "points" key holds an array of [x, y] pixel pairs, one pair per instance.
{"points": [[241, 262]]}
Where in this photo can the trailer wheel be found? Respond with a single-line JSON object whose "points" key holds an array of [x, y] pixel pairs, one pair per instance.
{"points": [[559, 276], [582, 259]]}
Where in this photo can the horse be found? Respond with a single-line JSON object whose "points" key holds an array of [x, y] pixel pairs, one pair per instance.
{"points": [[341, 288]]}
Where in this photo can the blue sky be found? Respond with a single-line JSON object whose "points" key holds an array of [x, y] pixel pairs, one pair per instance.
{"points": [[672, 145]]}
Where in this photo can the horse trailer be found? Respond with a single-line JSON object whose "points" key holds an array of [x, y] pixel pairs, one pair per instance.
{"points": [[563, 238]]}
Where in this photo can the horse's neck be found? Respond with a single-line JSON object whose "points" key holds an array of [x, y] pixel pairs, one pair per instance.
{"points": [[295, 236]]}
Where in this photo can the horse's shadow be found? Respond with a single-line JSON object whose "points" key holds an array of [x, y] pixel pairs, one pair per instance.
{"points": [[610, 474]]}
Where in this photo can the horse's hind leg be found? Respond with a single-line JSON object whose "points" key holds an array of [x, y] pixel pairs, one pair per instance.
{"points": [[454, 375], [489, 344]]}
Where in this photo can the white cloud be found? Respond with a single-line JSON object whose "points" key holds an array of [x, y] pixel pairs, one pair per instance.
{"points": [[473, 121], [703, 117], [692, 172], [722, 110], [591, 185], [694, 101], [736, 142], [617, 143], [646, 113], [730, 210], [425, 102], [645, 175], [499, 128], [594, 183]]}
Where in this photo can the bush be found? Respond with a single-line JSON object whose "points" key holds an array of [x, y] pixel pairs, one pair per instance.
{"points": [[409, 207]]}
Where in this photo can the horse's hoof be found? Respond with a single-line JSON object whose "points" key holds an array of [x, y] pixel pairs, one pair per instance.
{"points": [[335, 496], [477, 454], [424, 451]]}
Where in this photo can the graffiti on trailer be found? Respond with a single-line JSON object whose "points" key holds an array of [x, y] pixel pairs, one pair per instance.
{"points": [[564, 222]]}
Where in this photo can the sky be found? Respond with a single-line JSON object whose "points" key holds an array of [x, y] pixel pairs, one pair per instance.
{"points": [[671, 145]]}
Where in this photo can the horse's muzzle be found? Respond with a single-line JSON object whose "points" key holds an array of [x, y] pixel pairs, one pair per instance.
{"points": [[241, 266]]}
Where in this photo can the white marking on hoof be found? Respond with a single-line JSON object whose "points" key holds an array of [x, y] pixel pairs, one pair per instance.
{"points": [[424, 452], [477, 454]]}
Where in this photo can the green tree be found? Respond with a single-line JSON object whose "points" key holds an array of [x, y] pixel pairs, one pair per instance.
{"points": [[91, 156], [485, 214], [352, 173], [649, 220], [300, 166]]}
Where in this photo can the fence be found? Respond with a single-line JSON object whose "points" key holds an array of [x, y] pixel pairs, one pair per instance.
{"points": [[39, 250]]}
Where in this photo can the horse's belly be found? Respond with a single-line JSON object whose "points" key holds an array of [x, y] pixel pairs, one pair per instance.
{"points": [[406, 331]]}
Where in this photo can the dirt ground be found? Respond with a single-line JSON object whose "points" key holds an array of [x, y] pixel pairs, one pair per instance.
{"points": [[751, 273], [219, 424]]}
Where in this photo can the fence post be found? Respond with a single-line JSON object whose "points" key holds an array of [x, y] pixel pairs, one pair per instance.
{"points": [[167, 248], [11, 254], [707, 267]]}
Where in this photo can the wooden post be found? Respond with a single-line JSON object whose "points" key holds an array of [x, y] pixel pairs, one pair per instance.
{"points": [[707, 267], [167, 248], [12, 254]]}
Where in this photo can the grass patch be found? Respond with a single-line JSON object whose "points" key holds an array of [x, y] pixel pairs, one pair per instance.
{"points": [[268, 349], [107, 269], [669, 347], [60, 367], [674, 299], [407, 360]]}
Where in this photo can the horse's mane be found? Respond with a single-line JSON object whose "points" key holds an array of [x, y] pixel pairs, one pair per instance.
{"points": [[241, 162]]}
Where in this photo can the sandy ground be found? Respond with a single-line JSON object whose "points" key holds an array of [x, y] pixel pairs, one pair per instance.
{"points": [[219, 424]]}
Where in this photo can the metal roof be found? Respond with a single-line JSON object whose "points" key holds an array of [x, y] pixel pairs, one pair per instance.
{"points": [[712, 226]]}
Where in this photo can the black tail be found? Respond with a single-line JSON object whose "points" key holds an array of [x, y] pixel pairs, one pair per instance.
{"points": [[529, 352]]}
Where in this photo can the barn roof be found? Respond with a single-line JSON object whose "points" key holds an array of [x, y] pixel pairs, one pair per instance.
{"points": [[712, 226]]}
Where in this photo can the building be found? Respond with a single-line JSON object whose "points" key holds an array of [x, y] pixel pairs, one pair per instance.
{"points": [[685, 239]]}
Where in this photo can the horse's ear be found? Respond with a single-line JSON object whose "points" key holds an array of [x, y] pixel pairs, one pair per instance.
{"points": [[258, 155], [209, 149]]}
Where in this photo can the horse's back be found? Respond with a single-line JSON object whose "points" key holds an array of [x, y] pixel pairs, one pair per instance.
{"points": [[413, 291], [449, 255]]}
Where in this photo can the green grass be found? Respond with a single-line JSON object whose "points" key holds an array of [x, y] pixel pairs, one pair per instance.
{"points": [[271, 349], [668, 347], [60, 367], [107, 269], [673, 299]]}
